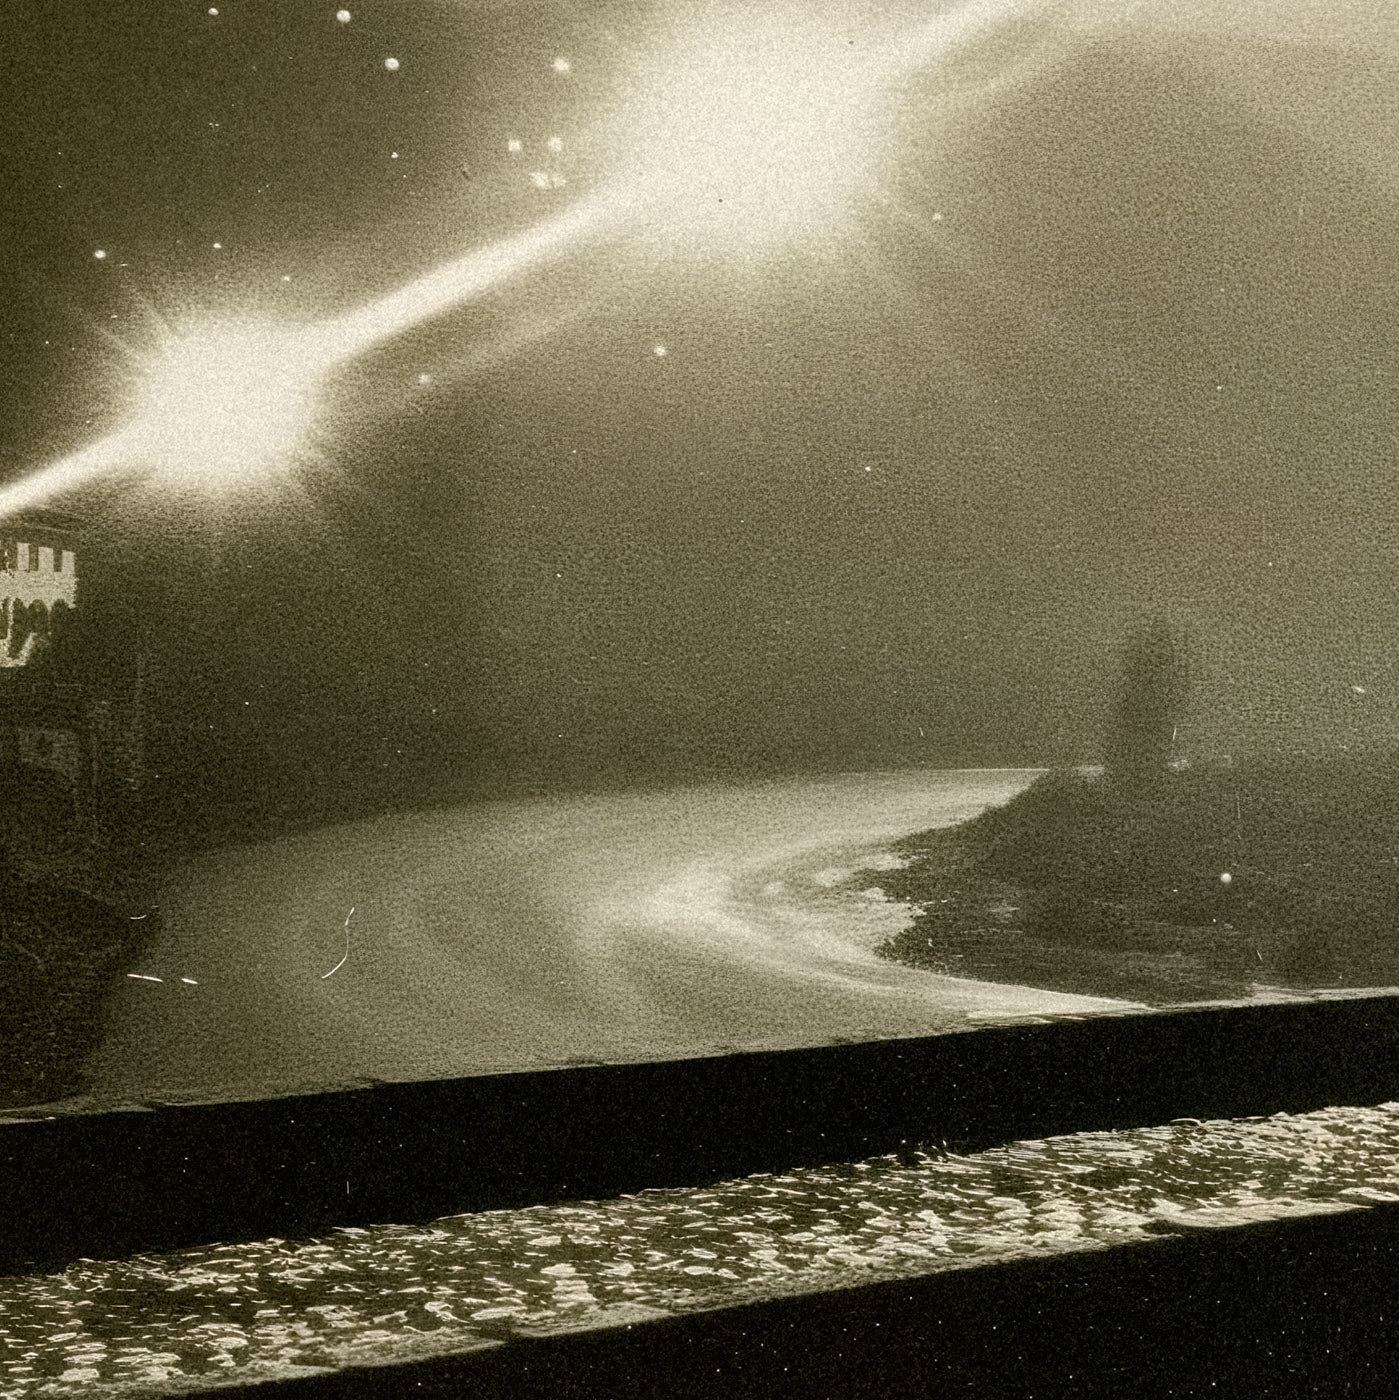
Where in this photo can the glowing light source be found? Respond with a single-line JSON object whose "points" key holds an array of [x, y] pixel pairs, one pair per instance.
{"points": [[230, 404], [751, 131], [225, 404], [762, 131], [759, 129]]}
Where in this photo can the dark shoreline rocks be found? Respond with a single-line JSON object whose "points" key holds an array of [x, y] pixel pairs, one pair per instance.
{"points": [[1196, 888]]}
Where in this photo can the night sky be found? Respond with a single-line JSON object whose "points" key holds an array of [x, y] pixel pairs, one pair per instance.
{"points": [[1108, 332]]}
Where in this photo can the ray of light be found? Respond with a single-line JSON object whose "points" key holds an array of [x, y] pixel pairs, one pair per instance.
{"points": [[465, 278], [90, 464], [758, 134], [756, 130]]}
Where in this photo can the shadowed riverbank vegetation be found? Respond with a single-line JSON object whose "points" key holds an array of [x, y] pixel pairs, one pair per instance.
{"points": [[60, 954], [1192, 885]]}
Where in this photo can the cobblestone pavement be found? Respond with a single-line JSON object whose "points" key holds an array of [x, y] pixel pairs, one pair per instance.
{"points": [[161, 1324]]}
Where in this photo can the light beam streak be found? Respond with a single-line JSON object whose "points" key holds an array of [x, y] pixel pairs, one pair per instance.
{"points": [[225, 403], [346, 958], [464, 279], [78, 469]]}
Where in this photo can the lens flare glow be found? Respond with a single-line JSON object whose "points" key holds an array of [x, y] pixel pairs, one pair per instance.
{"points": [[472, 275], [758, 131], [227, 404]]}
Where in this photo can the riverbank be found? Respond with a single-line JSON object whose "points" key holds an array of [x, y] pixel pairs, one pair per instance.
{"points": [[1205, 885], [60, 951]]}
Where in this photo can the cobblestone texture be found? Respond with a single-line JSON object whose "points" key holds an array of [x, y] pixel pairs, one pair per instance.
{"points": [[161, 1324]]}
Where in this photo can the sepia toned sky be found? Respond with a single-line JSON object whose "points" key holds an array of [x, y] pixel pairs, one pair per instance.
{"points": [[1089, 312]]}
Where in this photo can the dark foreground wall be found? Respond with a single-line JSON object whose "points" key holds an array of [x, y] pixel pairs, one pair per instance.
{"points": [[1288, 1309], [115, 1183]]}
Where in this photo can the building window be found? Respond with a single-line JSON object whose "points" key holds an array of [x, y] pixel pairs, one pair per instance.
{"points": [[57, 560], [33, 556]]}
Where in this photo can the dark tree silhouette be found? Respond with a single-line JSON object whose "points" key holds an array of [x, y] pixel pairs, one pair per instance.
{"points": [[1152, 688]]}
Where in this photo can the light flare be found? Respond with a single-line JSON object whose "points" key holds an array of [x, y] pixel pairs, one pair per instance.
{"points": [[90, 464], [954, 28], [758, 131], [753, 132], [465, 278], [230, 404], [227, 404], [761, 133]]}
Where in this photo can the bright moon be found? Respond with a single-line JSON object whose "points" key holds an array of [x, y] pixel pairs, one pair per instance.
{"points": [[226, 404], [759, 130]]}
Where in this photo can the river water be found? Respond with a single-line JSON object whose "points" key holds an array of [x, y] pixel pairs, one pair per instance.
{"points": [[544, 931]]}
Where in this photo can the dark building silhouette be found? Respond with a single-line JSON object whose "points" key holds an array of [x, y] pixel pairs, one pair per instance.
{"points": [[72, 734]]}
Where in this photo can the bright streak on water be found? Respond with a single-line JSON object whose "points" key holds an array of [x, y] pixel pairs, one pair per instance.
{"points": [[220, 426]]}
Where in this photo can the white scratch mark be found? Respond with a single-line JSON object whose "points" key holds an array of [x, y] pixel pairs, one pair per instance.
{"points": [[144, 977], [343, 960], [190, 980]]}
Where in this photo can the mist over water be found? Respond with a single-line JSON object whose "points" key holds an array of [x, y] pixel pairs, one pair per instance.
{"points": [[537, 932]]}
